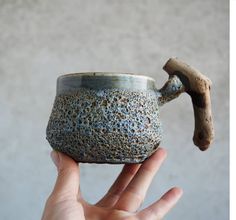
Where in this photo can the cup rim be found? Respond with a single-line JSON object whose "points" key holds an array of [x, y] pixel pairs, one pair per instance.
{"points": [[106, 74]]}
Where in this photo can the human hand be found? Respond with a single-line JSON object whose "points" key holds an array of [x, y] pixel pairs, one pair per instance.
{"points": [[120, 203]]}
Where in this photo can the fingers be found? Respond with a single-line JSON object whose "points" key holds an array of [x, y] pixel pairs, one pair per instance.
{"points": [[126, 175], [134, 194], [67, 183], [160, 208]]}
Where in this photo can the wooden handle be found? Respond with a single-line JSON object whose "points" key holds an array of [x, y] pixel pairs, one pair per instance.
{"points": [[198, 87]]}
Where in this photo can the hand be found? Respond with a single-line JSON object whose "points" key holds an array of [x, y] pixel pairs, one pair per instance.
{"points": [[120, 203]]}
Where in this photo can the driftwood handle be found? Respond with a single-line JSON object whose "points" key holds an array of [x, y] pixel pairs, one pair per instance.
{"points": [[198, 87]]}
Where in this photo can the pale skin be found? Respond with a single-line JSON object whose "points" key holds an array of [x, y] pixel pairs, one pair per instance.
{"points": [[122, 201]]}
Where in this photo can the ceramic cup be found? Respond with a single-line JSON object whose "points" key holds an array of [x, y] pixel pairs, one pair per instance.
{"points": [[114, 117]]}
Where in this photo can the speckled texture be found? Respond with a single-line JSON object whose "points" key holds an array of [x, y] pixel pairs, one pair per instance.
{"points": [[106, 126]]}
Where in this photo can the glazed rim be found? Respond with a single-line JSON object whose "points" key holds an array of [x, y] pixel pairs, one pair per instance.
{"points": [[109, 74]]}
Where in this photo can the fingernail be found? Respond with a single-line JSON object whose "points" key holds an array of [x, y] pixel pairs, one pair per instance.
{"points": [[55, 158]]}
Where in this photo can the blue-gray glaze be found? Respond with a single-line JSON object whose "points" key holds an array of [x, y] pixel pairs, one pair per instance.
{"points": [[95, 121]]}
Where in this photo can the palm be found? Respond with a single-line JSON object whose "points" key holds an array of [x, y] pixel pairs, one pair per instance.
{"points": [[105, 213], [122, 200]]}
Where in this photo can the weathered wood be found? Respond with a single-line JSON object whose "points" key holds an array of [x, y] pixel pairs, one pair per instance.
{"points": [[198, 87]]}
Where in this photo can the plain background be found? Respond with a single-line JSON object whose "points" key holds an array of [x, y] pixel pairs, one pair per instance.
{"points": [[40, 40]]}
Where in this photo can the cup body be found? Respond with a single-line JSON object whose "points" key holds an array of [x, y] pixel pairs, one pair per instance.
{"points": [[105, 117]]}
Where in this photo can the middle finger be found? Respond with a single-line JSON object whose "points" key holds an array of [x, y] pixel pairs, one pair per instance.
{"points": [[134, 194]]}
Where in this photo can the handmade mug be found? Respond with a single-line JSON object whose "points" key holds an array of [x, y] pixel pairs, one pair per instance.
{"points": [[114, 117]]}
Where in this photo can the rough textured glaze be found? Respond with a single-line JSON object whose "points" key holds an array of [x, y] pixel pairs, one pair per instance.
{"points": [[106, 125]]}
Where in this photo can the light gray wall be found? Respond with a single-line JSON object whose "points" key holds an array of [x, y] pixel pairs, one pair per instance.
{"points": [[39, 40]]}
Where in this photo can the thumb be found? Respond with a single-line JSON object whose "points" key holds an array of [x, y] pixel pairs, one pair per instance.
{"points": [[67, 183]]}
